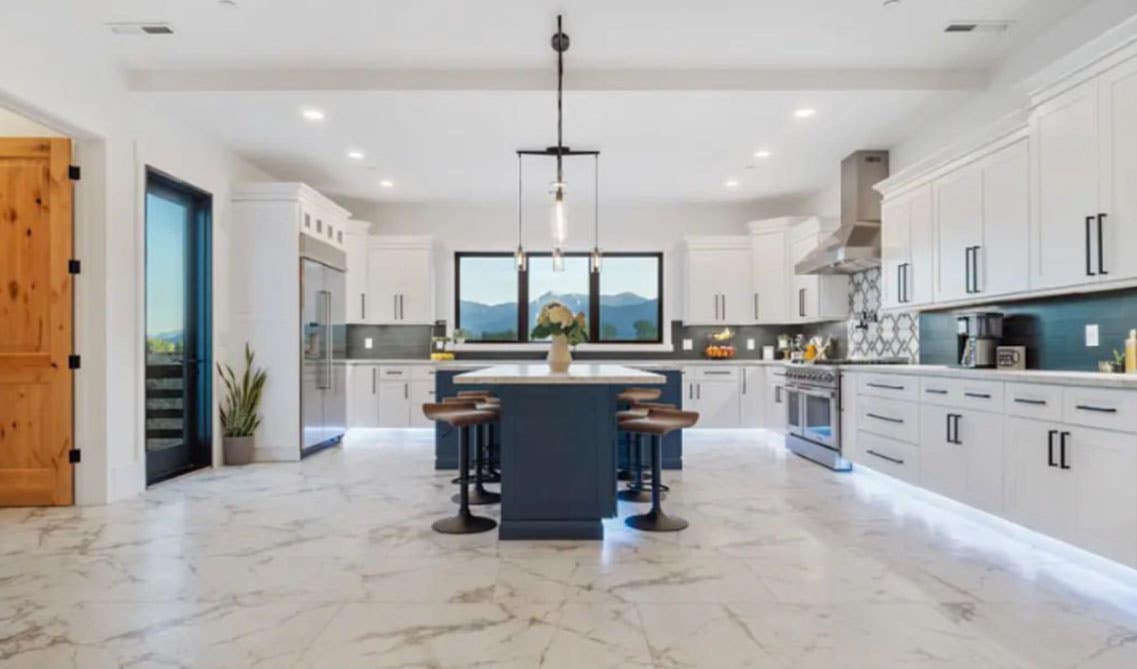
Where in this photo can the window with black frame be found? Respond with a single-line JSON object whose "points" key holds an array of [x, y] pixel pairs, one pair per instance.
{"points": [[494, 302]]}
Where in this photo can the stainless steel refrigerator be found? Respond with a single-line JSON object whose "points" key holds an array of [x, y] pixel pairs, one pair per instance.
{"points": [[323, 345]]}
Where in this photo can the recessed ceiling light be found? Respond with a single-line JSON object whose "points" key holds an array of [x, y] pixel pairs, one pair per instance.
{"points": [[387, 183], [731, 183], [805, 112], [762, 153], [355, 154], [312, 114]]}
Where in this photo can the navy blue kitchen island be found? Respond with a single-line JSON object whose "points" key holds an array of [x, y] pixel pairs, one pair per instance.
{"points": [[558, 445]]}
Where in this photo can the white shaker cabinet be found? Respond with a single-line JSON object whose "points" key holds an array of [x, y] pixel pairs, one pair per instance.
{"points": [[1118, 187], [815, 297], [982, 218], [1064, 149], [771, 271], [400, 280], [907, 249], [776, 400], [962, 455], [355, 274], [713, 391], [718, 280], [363, 395], [752, 408]]}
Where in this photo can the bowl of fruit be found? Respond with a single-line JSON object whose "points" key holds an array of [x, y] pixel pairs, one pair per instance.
{"points": [[720, 345]]}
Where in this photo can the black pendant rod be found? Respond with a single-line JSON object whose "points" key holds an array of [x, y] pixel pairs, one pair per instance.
{"points": [[560, 45]]}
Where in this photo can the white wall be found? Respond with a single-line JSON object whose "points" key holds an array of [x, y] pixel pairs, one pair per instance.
{"points": [[45, 78], [623, 227]]}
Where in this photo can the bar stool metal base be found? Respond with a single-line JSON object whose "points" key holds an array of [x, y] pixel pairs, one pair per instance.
{"points": [[464, 523], [655, 521], [478, 497]]}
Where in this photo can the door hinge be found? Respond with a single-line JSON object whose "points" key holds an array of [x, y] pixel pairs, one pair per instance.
{"points": [[73, 266], [74, 455], [73, 362], [73, 172]]}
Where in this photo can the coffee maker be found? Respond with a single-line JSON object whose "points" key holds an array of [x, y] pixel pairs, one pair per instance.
{"points": [[979, 336]]}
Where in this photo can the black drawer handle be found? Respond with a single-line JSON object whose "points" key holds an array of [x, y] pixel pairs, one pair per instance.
{"points": [[935, 391], [884, 385], [1087, 407], [887, 419], [1023, 400], [882, 456], [978, 396], [721, 372], [390, 373]]}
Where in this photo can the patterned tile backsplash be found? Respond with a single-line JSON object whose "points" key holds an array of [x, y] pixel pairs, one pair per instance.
{"points": [[870, 333]]}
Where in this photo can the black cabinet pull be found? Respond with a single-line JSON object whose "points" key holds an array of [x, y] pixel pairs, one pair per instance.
{"points": [[953, 420], [1062, 450], [947, 427], [1087, 407], [1023, 400], [884, 385], [978, 396], [973, 269], [882, 456], [936, 391], [1089, 265], [755, 306], [967, 279], [717, 372], [887, 419], [801, 302], [1050, 448], [900, 283], [1101, 253]]}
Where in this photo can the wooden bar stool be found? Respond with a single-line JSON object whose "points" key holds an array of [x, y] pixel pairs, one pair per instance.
{"points": [[658, 423], [478, 402], [625, 401], [462, 417], [637, 489]]}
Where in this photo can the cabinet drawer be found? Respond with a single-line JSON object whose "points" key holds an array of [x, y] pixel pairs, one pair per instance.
{"points": [[889, 456], [395, 372], [889, 418], [1032, 401], [1101, 408], [715, 373], [891, 386], [962, 393], [422, 373]]}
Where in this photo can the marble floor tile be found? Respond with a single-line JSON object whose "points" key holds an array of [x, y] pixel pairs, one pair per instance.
{"points": [[331, 562]]}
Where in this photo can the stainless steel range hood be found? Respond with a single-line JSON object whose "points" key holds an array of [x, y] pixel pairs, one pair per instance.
{"points": [[854, 246]]}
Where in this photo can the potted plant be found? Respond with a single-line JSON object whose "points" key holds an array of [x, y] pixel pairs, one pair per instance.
{"points": [[239, 417], [557, 321]]}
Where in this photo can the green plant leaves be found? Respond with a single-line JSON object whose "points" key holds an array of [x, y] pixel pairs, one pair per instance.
{"points": [[238, 410]]}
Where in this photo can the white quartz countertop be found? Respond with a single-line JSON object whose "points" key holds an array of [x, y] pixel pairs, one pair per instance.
{"points": [[1052, 377], [578, 373], [670, 363]]}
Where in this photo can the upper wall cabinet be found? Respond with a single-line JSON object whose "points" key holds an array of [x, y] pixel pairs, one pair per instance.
{"points": [[400, 281], [355, 277], [1084, 144], [982, 218], [906, 249], [771, 272], [718, 281], [815, 297]]}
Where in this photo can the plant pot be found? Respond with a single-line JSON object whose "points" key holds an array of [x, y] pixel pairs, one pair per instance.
{"points": [[237, 450], [559, 355]]}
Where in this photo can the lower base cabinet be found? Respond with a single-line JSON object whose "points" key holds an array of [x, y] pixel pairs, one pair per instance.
{"points": [[776, 400], [1074, 483], [961, 455], [363, 396]]}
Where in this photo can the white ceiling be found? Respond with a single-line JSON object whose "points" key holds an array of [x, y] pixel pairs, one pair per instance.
{"points": [[649, 66]]}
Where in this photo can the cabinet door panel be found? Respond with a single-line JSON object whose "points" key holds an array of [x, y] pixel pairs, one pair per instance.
{"points": [[394, 404], [943, 464], [753, 398], [1037, 493], [718, 403], [1064, 149], [921, 248], [981, 437], [1105, 467], [382, 286], [1119, 171], [771, 300], [894, 248], [734, 275], [363, 396], [804, 295], [1004, 263], [421, 392], [704, 304], [959, 202]]}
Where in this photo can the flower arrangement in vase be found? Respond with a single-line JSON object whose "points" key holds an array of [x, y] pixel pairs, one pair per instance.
{"points": [[558, 322]]}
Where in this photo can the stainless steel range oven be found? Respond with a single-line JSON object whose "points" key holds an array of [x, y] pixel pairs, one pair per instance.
{"points": [[813, 414]]}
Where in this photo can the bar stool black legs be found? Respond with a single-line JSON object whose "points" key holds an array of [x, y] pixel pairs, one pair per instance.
{"points": [[465, 522], [656, 520], [636, 490], [479, 496]]}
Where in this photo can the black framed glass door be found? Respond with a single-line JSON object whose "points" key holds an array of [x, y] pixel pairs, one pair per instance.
{"points": [[178, 332]]}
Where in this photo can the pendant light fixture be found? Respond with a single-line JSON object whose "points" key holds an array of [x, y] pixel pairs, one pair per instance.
{"points": [[558, 208]]}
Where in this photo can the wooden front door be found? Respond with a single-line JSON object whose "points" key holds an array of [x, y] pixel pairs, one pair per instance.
{"points": [[35, 322]]}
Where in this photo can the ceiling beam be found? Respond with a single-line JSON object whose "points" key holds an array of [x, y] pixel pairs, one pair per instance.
{"points": [[281, 80]]}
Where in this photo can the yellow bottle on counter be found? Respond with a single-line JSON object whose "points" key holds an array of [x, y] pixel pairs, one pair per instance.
{"points": [[1131, 353]]}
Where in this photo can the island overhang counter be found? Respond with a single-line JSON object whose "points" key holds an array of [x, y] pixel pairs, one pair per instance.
{"points": [[558, 445]]}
